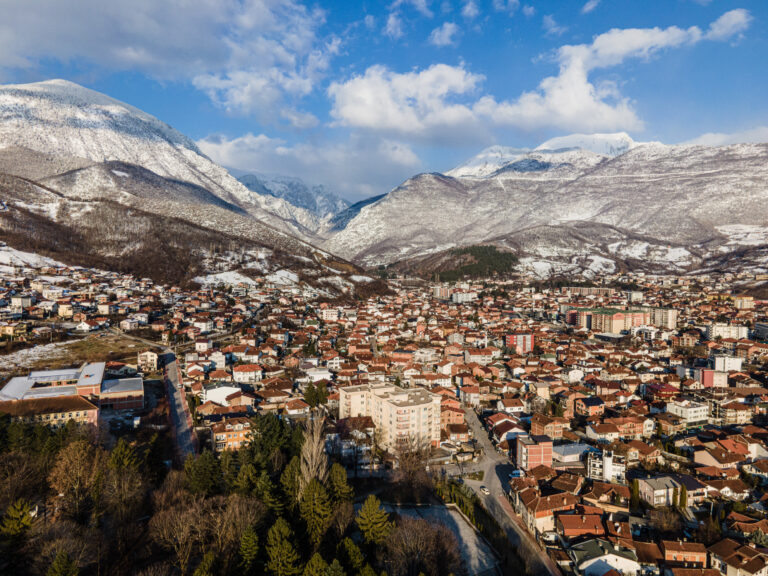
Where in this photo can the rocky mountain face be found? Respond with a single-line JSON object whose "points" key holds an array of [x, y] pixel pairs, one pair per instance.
{"points": [[317, 200], [90, 180], [580, 204]]}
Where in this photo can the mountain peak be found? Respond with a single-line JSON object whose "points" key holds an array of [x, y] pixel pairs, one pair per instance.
{"points": [[604, 144]]}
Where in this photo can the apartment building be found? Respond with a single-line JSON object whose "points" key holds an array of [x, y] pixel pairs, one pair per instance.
{"points": [[612, 320], [231, 434], [663, 317], [533, 451], [693, 413], [606, 467], [720, 330], [520, 342], [399, 414]]}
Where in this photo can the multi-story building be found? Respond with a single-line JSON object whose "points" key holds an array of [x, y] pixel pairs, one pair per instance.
{"points": [[606, 466], [533, 451], [551, 426], [719, 330], [725, 363], [399, 414], [693, 413], [231, 434], [147, 361], [663, 317], [520, 342], [612, 320]]}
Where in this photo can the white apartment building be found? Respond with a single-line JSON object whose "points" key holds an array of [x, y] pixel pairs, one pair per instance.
{"points": [[398, 414], [691, 412], [606, 467], [663, 318], [725, 363], [727, 331]]}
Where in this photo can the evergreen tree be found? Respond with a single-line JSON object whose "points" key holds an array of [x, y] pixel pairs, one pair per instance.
{"points": [[123, 457], [205, 568], [683, 497], [316, 566], [291, 481], [16, 521], [368, 571], [341, 491], [315, 510], [265, 489], [675, 497], [351, 556], [634, 494], [249, 551], [335, 569], [311, 396], [373, 521], [283, 559], [246, 480], [62, 565], [203, 474]]}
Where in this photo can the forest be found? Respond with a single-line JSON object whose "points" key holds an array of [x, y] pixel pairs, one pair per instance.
{"points": [[76, 502]]}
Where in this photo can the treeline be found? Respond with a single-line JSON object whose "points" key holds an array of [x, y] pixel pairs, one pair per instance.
{"points": [[483, 262], [73, 506]]}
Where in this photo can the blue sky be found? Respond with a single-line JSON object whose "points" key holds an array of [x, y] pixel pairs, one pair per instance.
{"points": [[359, 95]]}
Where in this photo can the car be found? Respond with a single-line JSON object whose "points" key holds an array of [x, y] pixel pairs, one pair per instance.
{"points": [[484, 490]]}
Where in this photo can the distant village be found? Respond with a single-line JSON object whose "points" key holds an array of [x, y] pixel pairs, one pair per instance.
{"points": [[619, 427]]}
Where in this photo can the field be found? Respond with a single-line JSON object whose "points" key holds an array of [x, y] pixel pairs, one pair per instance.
{"points": [[102, 347]]}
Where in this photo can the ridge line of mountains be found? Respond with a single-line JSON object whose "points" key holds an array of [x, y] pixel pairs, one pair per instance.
{"points": [[91, 180]]}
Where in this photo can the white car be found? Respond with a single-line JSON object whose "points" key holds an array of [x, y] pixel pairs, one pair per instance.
{"points": [[484, 490]]}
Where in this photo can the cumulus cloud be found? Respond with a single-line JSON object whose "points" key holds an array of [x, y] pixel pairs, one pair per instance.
{"points": [[419, 104], [444, 35], [470, 11], [528, 10], [754, 135], [245, 55], [589, 6], [442, 101], [394, 26], [551, 27], [421, 6], [506, 5], [356, 168]]}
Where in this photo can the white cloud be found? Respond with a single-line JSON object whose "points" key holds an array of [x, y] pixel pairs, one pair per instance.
{"points": [[245, 54], [444, 35], [528, 10], [419, 105], [369, 21], [470, 11], [589, 6], [506, 5], [421, 6], [754, 135], [359, 167], [394, 26], [551, 27], [730, 24], [442, 101]]}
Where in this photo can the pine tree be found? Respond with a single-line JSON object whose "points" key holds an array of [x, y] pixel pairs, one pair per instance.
{"points": [[350, 554], [265, 489], [283, 557], [315, 510], [675, 497], [335, 569], [203, 474], [341, 491], [246, 480], [63, 566], [367, 571], [373, 521], [123, 457], [290, 480], [683, 497], [17, 520], [249, 550], [316, 566], [205, 568], [311, 396], [634, 498]]}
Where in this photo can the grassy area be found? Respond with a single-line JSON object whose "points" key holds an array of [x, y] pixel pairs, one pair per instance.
{"points": [[479, 475], [103, 347]]}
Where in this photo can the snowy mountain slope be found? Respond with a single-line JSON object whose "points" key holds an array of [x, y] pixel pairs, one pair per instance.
{"points": [[64, 120], [316, 199], [678, 200]]}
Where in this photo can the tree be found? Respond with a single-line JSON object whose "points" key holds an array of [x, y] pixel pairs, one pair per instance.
{"points": [[203, 473], [373, 521], [316, 566], [283, 559], [63, 566], [249, 551], [313, 460], [634, 494], [17, 520], [341, 491], [683, 497], [416, 546], [709, 532], [335, 569], [178, 530], [675, 497], [205, 568], [351, 556], [77, 475], [290, 480], [315, 510], [266, 490]]}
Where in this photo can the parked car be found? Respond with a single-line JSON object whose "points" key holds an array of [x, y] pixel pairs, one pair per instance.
{"points": [[484, 490]]}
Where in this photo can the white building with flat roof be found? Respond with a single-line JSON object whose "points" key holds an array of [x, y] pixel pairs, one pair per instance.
{"points": [[399, 414]]}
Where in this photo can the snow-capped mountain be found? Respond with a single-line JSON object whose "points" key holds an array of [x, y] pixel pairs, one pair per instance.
{"points": [[89, 180], [317, 200], [578, 204], [65, 120]]}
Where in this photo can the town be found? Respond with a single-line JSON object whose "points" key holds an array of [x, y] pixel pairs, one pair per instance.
{"points": [[609, 427]]}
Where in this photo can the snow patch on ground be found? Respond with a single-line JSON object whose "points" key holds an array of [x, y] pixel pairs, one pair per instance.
{"points": [[744, 234], [120, 173], [357, 278], [10, 257], [231, 278], [22, 359], [284, 277]]}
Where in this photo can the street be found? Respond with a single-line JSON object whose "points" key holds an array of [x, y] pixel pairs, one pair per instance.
{"points": [[186, 439], [496, 469]]}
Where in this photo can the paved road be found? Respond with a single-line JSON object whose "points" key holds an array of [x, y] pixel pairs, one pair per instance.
{"points": [[186, 439], [496, 469]]}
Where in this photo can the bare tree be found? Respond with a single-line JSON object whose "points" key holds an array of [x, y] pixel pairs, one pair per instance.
{"points": [[81, 544], [416, 547], [412, 459], [228, 520], [179, 530], [75, 476], [314, 460]]}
